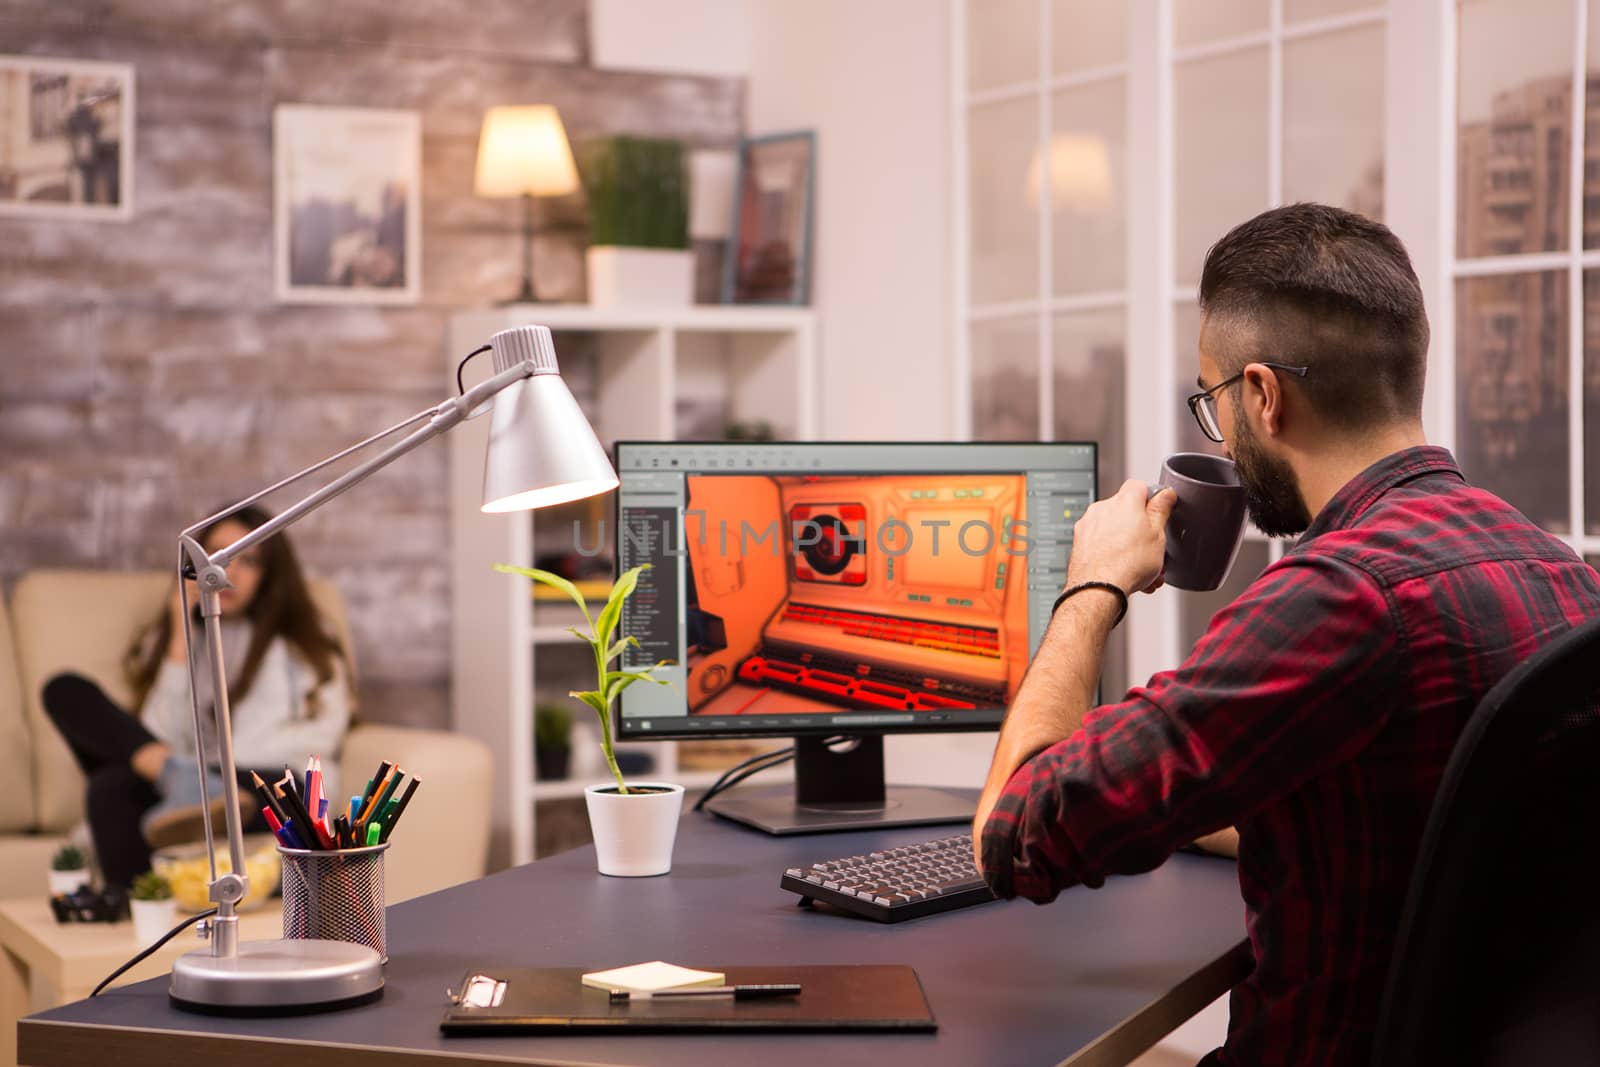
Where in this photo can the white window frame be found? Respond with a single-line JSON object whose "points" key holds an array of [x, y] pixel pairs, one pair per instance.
{"points": [[1575, 260], [1152, 293]]}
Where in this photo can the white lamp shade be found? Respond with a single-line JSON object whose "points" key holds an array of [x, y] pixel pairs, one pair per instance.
{"points": [[524, 150], [542, 450]]}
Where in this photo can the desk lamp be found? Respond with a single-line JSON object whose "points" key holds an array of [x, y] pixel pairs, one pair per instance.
{"points": [[542, 451], [523, 151]]}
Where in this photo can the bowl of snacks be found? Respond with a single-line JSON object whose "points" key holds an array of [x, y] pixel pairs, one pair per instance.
{"points": [[186, 869]]}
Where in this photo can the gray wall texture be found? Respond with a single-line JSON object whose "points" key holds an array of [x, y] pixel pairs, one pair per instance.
{"points": [[148, 376]]}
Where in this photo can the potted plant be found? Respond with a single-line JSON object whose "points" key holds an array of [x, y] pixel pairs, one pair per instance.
{"points": [[154, 910], [634, 825], [552, 741], [638, 193], [68, 870]]}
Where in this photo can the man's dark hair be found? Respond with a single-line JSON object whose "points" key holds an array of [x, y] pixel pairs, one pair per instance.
{"points": [[1316, 286]]}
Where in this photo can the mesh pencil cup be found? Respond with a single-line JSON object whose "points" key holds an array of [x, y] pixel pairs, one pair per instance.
{"points": [[335, 896]]}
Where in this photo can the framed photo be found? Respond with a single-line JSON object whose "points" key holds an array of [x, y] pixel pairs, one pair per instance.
{"points": [[66, 138], [769, 251], [347, 205]]}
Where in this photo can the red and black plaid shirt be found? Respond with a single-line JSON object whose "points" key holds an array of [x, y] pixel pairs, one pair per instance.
{"points": [[1316, 714]]}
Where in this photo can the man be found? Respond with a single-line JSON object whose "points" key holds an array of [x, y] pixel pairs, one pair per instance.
{"points": [[1318, 711]]}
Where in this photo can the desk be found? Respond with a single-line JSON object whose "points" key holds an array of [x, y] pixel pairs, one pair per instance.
{"points": [[1093, 979]]}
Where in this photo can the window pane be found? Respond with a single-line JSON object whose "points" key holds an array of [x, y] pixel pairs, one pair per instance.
{"points": [[1199, 21], [1591, 144], [1005, 229], [1511, 390], [1090, 371], [1301, 10], [1005, 380], [1087, 183], [1591, 401], [1002, 43], [1222, 150], [1088, 33], [1333, 120], [1186, 330], [1197, 608], [1513, 100]]}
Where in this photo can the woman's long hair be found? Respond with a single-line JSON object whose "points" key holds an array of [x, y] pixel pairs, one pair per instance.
{"points": [[282, 607]]}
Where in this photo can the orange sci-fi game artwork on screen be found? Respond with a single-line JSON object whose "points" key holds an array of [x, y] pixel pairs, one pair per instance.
{"points": [[883, 592]]}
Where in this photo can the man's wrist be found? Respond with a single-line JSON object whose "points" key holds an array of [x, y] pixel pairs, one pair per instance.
{"points": [[1110, 595]]}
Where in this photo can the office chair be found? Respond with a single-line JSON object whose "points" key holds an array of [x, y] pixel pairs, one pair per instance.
{"points": [[1497, 961]]}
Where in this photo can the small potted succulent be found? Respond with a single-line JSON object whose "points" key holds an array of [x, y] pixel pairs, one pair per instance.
{"points": [[634, 824], [68, 870], [552, 741], [154, 909]]}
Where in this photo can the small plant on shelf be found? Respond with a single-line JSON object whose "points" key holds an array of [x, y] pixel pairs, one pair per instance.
{"points": [[638, 192], [552, 737], [68, 858], [151, 886], [610, 680]]}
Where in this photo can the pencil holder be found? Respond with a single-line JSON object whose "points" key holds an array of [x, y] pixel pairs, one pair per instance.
{"points": [[335, 896]]}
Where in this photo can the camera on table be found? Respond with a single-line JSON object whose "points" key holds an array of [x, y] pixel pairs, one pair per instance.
{"points": [[89, 905]]}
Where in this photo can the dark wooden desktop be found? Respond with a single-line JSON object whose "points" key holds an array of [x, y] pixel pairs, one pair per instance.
{"points": [[1095, 978]]}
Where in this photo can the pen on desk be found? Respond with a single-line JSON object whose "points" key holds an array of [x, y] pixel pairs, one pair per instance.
{"points": [[721, 992]]}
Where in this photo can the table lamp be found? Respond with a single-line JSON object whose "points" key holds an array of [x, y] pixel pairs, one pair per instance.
{"points": [[541, 451], [523, 151]]}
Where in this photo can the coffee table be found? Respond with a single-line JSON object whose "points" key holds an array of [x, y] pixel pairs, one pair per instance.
{"points": [[46, 964]]}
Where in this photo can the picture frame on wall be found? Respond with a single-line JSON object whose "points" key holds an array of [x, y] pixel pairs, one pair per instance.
{"points": [[66, 138], [347, 205], [769, 248]]}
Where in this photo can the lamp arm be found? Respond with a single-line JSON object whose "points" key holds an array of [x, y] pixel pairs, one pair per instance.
{"points": [[441, 418], [210, 571]]}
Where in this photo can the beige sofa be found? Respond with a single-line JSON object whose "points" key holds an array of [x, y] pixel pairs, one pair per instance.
{"points": [[81, 620]]}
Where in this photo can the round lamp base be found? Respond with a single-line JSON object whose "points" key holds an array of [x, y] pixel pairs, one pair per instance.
{"points": [[277, 977]]}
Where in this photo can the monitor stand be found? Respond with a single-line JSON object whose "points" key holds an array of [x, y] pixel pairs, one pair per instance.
{"points": [[840, 791]]}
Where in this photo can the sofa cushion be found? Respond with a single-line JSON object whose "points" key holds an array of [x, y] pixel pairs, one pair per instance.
{"points": [[83, 621], [16, 748]]}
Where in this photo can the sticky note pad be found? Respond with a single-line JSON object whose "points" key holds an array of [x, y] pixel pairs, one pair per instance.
{"points": [[651, 977]]}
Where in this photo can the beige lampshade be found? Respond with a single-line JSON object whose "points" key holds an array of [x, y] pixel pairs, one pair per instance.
{"points": [[1080, 174], [524, 150]]}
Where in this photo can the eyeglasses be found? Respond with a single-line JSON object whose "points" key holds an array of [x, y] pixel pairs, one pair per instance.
{"points": [[1203, 405]]}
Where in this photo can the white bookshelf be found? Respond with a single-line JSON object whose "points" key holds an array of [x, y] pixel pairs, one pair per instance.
{"points": [[641, 374]]}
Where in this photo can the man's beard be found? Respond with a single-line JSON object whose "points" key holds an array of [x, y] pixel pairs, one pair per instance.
{"points": [[1271, 494]]}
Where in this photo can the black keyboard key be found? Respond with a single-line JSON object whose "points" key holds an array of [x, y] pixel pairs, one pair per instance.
{"points": [[895, 884]]}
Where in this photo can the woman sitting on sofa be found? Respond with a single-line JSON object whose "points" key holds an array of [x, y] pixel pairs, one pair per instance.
{"points": [[288, 693]]}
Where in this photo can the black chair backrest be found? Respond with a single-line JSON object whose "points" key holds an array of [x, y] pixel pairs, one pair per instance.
{"points": [[1497, 958]]}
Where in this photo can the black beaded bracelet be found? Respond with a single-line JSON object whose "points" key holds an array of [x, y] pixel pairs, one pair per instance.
{"points": [[1122, 598]]}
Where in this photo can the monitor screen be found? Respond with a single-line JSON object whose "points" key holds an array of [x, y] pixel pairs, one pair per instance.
{"points": [[806, 588]]}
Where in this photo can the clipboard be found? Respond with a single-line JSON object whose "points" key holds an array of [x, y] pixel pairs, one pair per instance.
{"points": [[554, 1000]]}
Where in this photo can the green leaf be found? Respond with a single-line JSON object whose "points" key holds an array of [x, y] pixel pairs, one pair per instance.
{"points": [[554, 581], [618, 646], [621, 589], [591, 698], [617, 681]]}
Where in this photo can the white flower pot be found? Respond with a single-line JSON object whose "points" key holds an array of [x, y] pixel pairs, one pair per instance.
{"points": [[634, 834], [152, 918], [64, 882], [640, 277]]}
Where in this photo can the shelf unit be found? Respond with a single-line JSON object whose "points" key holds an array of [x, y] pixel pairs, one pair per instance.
{"points": [[640, 374]]}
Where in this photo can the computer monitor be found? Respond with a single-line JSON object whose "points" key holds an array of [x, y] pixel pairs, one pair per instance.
{"points": [[823, 590]]}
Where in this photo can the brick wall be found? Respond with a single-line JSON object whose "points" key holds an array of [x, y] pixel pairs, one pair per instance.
{"points": [[146, 374]]}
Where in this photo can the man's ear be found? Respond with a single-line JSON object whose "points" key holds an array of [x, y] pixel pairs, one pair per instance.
{"points": [[1262, 394]]}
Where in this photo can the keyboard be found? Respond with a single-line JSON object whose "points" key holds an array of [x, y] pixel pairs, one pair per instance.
{"points": [[897, 883]]}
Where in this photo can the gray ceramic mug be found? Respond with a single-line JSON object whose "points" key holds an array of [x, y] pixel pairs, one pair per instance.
{"points": [[1207, 523]]}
